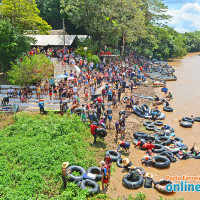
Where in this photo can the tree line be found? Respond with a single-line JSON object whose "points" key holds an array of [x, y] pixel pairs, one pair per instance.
{"points": [[140, 25]]}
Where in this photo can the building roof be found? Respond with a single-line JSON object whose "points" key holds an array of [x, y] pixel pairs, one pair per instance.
{"points": [[52, 32], [54, 40]]}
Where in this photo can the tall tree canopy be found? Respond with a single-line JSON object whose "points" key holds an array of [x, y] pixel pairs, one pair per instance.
{"points": [[12, 44], [24, 14]]}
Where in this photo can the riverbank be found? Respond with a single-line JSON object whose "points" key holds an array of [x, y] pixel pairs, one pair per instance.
{"points": [[133, 124]]}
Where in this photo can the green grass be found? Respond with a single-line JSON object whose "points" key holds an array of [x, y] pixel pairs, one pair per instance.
{"points": [[32, 151]]}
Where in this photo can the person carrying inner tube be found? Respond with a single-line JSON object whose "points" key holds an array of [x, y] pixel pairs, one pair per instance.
{"points": [[92, 129], [105, 177], [141, 142], [127, 163], [65, 172], [124, 145], [102, 122]]}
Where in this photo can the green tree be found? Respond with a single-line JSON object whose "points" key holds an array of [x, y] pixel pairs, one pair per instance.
{"points": [[12, 44], [24, 14], [30, 69], [128, 20]]}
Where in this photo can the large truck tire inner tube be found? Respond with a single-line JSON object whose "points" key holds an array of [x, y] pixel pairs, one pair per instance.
{"points": [[95, 189], [197, 119], [79, 169], [113, 155], [158, 148], [168, 109], [161, 162], [132, 184], [163, 140], [96, 171], [101, 132], [145, 108], [158, 123], [140, 134], [119, 163], [186, 124], [188, 119], [161, 186], [169, 155], [151, 127], [147, 123]]}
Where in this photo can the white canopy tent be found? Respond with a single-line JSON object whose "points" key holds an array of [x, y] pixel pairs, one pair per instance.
{"points": [[52, 40]]}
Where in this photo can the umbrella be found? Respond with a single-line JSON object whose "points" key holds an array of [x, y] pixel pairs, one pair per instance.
{"points": [[61, 76], [71, 78]]}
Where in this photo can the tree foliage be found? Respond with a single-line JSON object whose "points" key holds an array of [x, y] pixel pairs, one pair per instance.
{"points": [[12, 44], [24, 14], [30, 69]]}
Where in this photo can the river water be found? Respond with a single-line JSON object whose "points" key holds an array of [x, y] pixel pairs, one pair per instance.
{"points": [[186, 93]]}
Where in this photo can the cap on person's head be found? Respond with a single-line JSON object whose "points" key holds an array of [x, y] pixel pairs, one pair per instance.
{"points": [[150, 175], [65, 164], [119, 142], [102, 162], [125, 161], [146, 157]]}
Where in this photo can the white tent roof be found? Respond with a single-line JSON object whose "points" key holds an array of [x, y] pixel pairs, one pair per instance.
{"points": [[82, 37], [57, 40]]}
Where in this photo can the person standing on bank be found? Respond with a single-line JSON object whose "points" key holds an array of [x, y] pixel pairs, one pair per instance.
{"points": [[105, 174], [109, 115], [65, 172]]}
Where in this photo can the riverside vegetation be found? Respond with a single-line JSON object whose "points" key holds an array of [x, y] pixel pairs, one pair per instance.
{"points": [[32, 151]]}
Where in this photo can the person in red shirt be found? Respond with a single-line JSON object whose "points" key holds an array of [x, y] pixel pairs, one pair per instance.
{"points": [[99, 99], [92, 129], [150, 146]]}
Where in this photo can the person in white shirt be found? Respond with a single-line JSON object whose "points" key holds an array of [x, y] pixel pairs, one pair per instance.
{"points": [[10, 92]]}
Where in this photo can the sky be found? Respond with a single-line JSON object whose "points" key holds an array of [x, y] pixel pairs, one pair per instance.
{"points": [[185, 15]]}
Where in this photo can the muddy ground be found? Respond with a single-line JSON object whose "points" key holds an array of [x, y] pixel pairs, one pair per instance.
{"points": [[133, 124]]}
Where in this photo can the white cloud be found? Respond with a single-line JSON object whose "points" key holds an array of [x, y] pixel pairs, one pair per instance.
{"points": [[186, 19]]}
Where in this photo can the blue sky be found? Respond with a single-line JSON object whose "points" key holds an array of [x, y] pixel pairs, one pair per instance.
{"points": [[185, 13]]}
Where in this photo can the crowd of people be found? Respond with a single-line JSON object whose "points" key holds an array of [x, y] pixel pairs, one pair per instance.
{"points": [[107, 80]]}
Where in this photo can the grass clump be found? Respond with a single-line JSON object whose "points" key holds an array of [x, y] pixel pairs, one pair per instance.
{"points": [[32, 152]]}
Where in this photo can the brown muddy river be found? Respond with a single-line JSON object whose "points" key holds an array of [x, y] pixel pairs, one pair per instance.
{"points": [[186, 93]]}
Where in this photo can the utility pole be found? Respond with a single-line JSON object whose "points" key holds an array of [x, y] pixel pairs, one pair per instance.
{"points": [[64, 32]]}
